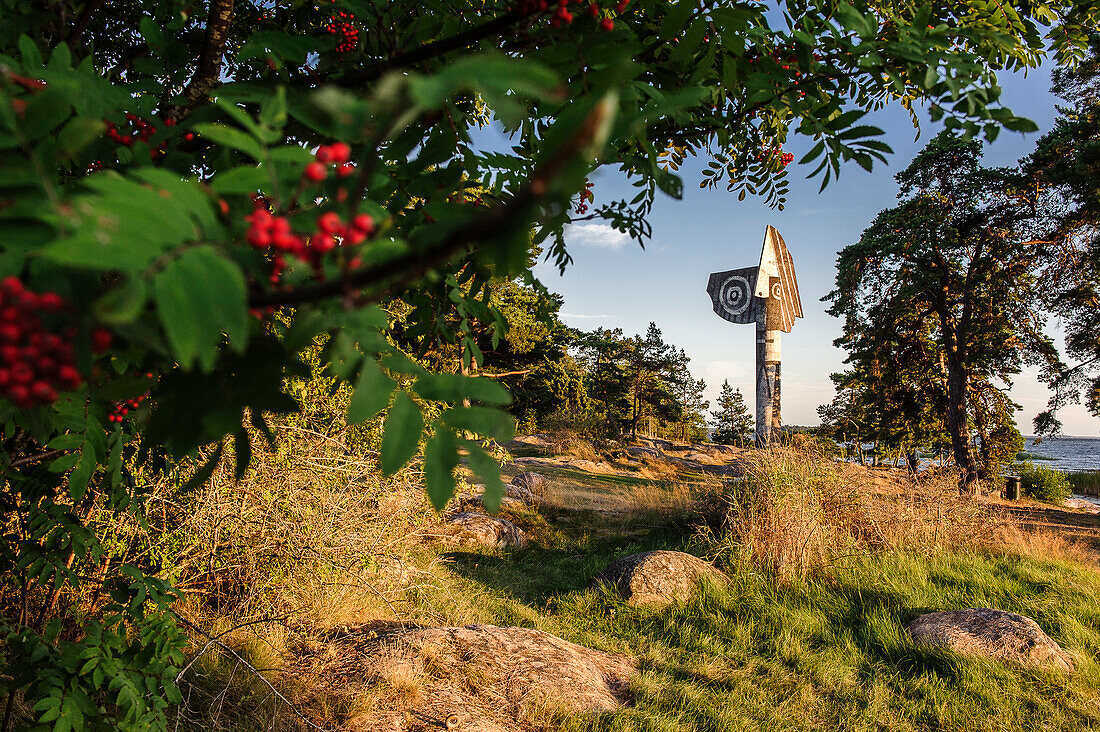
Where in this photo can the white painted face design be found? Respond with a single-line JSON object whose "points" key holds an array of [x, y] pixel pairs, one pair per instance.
{"points": [[735, 295]]}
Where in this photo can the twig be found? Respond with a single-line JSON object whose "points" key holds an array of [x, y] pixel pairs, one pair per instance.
{"points": [[35, 458], [214, 640]]}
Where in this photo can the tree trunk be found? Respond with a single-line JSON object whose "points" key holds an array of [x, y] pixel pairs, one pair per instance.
{"points": [[957, 427]]}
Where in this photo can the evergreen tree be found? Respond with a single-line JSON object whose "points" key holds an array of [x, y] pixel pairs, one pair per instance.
{"points": [[732, 422], [948, 285], [1065, 168]]}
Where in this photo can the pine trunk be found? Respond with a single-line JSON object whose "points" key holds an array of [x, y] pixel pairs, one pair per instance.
{"points": [[956, 424]]}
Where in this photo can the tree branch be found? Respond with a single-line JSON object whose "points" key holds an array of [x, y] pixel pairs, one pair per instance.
{"points": [[209, 65], [411, 266], [82, 22], [432, 49], [36, 458]]}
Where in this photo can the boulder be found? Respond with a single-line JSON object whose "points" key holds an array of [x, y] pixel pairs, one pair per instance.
{"points": [[477, 528], [521, 494], [478, 677], [996, 634], [657, 577], [533, 482]]}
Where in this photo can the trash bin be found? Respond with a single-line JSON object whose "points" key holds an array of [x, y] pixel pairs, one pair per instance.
{"points": [[1012, 487]]}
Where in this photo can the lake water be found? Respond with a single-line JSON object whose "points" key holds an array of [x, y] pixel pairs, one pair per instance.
{"points": [[1068, 454]]}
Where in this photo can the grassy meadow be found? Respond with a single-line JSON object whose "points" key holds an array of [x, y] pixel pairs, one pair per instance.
{"points": [[826, 563]]}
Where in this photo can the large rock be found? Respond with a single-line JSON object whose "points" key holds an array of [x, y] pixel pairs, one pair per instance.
{"points": [[478, 677], [997, 634], [477, 528], [657, 577], [533, 482]]}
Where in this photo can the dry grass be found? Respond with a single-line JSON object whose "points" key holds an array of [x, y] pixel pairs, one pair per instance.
{"points": [[795, 512], [310, 539], [567, 442]]}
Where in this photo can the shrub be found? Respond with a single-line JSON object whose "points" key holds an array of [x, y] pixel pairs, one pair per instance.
{"points": [[797, 511], [1044, 484]]}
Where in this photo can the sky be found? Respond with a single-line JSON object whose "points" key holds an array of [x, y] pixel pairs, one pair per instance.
{"points": [[613, 283]]}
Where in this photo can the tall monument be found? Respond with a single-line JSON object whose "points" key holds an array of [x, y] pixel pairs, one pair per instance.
{"points": [[767, 295]]}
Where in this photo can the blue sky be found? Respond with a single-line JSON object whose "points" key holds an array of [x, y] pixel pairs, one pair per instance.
{"points": [[615, 284]]}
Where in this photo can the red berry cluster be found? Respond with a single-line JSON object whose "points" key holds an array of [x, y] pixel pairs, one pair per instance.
{"points": [[785, 158], [140, 130], [586, 196], [268, 231], [341, 24], [338, 154], [561, 15], [34, 363], [125, 407]]}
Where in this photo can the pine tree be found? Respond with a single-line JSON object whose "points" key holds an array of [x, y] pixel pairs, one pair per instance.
{"points": [[733, 423]]}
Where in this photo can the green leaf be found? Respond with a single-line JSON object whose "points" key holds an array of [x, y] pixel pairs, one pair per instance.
{"points": [[489, 471], [123, 303], [485, 421], [32, 58], [203, 474], [440, 460], [456, 387], [199, 296], [79, 133], [228, 136], [243, 449], [404, 423], [245, 179], [372, 392]]}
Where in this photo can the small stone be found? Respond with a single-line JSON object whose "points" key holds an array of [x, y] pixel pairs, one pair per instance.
{"points": [[995, 634]]}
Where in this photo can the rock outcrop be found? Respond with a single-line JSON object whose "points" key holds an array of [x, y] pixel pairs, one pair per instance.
{"points": [[996, 634], [479, 677], [532, 482], [478, 528], [657, 577]]}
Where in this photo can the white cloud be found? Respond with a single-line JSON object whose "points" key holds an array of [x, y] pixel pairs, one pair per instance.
{"points": [[601, 236]]}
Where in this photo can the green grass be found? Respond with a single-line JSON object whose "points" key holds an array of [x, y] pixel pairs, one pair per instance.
{"points": [[829, 653], [1086, 482]]}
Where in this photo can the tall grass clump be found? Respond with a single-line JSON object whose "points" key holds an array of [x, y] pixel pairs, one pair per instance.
{"points": [[796, 511], [1086, 482], [1044, 484]]}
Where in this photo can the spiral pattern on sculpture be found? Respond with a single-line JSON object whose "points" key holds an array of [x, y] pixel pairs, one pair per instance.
{"points": [[777, 290], [735, 295]]}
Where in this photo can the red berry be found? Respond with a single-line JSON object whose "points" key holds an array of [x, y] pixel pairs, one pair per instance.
{"points": [[343, 171], [324, 154], [323, 243], [258, 238], [607, 24], [315, 172], [51, 302], [364, 223], [340, 152], [43, 392], [101, 340], [69, 377], [329, 223]]}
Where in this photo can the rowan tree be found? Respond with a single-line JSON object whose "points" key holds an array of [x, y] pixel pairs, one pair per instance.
{"points": [[195, 194]]}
